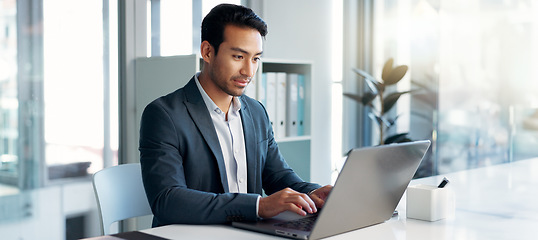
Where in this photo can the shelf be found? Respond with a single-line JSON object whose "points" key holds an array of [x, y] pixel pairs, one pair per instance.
{"points": [[295, 149], [293, 139]]}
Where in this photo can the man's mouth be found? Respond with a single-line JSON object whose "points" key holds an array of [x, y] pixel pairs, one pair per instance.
{"points": [[242, 81]]}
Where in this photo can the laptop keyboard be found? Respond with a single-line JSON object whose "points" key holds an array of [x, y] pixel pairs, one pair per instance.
{"points": [[303, 224]]}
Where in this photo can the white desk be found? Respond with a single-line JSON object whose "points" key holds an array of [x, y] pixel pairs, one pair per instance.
{"points": [[497, 202]]}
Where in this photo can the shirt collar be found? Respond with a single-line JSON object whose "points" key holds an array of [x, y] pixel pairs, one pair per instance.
{"points": [[211, 106]]}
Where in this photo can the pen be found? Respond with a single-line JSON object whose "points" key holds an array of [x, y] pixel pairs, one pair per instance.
{"points": [[443, 183]]}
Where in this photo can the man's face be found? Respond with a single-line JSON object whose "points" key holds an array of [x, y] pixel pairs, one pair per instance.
{"points": [[237, 60]]}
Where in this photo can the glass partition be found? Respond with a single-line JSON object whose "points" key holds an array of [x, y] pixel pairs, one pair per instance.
{"points": [[473, 64], [21, 129], [58, 96], [9, 103]]}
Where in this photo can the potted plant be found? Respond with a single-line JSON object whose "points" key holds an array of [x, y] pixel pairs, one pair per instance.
{"points": [[386, 100]]}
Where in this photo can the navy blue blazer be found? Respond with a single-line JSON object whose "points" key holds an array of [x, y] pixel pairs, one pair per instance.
{"points": [[183, 167]]}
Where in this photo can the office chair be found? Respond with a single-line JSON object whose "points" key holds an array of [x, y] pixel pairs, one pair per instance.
{"points": [[120, 194]]}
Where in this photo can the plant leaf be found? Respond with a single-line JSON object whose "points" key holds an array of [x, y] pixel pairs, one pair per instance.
{"points": [[354, 97], [395, 75], [391, 100], [376, 118], [366, 99], [372, 83], [387, 68], [397, 138], [379, 119], [374, 88], [393, 121], [363, 73]]}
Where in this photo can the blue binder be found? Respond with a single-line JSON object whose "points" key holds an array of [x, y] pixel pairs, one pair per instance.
{"points": [[300, 104]]}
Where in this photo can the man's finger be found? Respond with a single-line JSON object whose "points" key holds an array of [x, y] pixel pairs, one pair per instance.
{"points": [[317, 200], [311, 202], [296, 208], [306, 203]]}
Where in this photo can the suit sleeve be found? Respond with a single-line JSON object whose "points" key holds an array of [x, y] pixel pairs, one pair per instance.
{"points": [[165, 183]]}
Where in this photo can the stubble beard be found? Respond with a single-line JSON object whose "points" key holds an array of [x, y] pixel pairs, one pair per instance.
{"points": [[227, 86]]}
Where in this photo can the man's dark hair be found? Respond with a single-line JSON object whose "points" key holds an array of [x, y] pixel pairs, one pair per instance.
{"points": [[229, 14]]}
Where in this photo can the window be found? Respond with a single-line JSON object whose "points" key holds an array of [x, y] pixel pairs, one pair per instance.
{"points": [[171, 28], [175, 25], [474, 63], [58, 94], [79, 87]]}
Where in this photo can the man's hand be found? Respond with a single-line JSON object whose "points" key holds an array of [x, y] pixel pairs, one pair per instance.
{"points": [[320, 195], [289, 200], [286, 200]]}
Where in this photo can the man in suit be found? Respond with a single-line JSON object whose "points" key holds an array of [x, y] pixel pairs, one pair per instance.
{"points": [[207, 150]]}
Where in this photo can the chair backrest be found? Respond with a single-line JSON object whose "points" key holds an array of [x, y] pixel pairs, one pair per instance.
{"points": [[120, 194]]}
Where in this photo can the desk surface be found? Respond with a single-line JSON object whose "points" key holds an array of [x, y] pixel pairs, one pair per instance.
{"points": [[497, 202]]}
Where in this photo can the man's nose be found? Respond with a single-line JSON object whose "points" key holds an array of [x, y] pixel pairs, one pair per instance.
{"points": [[249, 69]]}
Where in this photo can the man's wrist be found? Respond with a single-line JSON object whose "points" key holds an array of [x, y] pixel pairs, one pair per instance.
{"points": [[311, 191], [258, 206]]}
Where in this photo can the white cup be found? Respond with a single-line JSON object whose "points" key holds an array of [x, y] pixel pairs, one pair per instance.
{"points": [[429, 203]]}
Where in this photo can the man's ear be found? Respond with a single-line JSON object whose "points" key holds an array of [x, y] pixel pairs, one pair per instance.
{"points": [[207, 51]]}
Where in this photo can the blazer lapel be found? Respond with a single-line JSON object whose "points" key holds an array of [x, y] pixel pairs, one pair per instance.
{"points": [[250, 146], [200, 116]]}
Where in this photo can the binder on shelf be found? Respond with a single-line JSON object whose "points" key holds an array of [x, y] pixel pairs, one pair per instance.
{"points": [[261, 91], [300, 105], [270, 97], [291, 105], [250, 89], [280, 121]]}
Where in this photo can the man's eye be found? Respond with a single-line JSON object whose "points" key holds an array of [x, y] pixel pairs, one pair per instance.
{"points": [[238, 57], [257, 59]]}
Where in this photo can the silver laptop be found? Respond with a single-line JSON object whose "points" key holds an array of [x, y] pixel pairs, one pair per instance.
{"points": [[367, 191]]}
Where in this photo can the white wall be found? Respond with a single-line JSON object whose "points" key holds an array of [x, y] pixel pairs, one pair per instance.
{"points": [[301, 30]]}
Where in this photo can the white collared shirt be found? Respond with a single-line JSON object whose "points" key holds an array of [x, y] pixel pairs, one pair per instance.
{"points": [[231, 139]]}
